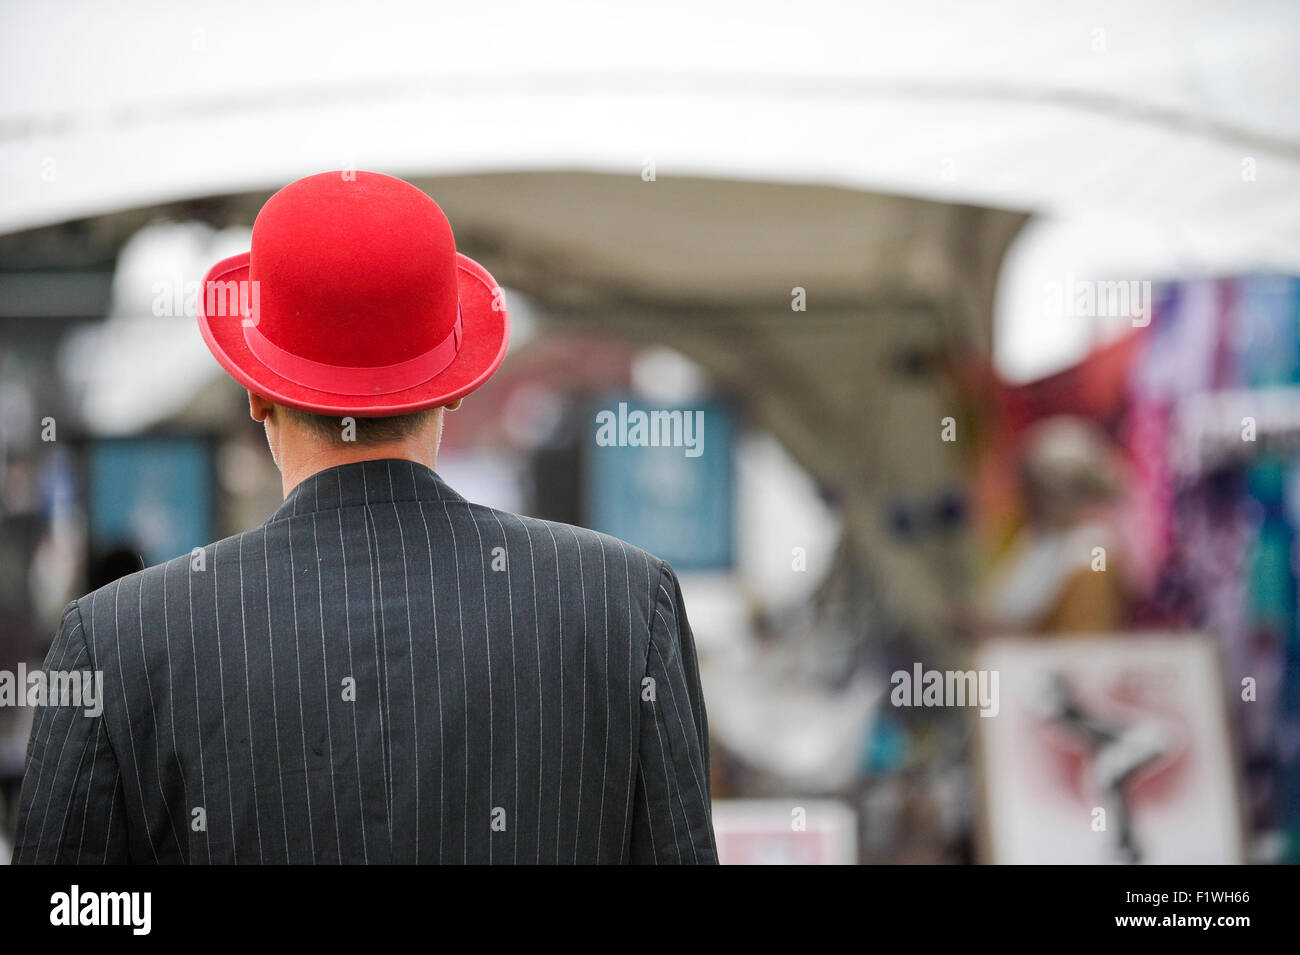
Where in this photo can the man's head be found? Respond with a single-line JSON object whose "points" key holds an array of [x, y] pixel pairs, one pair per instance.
{"points": [[353, 304], [302, 442]]}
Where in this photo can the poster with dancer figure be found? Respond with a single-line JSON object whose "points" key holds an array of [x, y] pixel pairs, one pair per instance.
{"points": [[1108, 749]]}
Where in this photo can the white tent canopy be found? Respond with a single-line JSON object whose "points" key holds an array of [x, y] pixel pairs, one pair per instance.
{"points": [[1151, 110], [1171, 123]]}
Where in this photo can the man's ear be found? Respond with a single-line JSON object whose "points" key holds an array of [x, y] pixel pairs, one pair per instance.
{"points": [[258, 407], [452, 405]]}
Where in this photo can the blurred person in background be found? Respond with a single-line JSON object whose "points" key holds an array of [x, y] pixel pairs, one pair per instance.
{"points": [[383, 671], [1064, 572]]}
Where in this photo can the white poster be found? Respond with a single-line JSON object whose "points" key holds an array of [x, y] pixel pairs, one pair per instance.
{"points": [[1111, 749], [785, 832]]}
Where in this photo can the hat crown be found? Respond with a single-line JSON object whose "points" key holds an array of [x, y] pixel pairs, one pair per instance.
{"points": [[355, 269]]}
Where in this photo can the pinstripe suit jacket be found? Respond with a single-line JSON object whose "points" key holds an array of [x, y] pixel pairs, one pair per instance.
{"points": [[382, 672]]}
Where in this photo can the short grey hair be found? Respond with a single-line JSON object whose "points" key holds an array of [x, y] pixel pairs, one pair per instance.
{"points": [[367, 431]]}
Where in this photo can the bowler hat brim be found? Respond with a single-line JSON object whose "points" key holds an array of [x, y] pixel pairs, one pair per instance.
{"points": [[485, 337]]}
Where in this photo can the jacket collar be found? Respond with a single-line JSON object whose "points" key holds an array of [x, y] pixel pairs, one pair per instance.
{"points": [[385, 481]]}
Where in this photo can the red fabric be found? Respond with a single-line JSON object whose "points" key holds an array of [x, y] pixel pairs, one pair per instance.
{"points": [[358, 271], [1097, 387]]}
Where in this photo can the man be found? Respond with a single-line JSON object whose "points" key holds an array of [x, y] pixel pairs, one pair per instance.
{"points": [[383, 671]]}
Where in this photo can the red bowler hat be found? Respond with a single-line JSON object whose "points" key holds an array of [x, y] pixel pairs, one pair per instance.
{"points": [[354, 301]]}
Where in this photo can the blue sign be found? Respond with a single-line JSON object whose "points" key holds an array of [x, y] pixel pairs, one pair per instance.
{"points": [[661, 478], [152, 495]]}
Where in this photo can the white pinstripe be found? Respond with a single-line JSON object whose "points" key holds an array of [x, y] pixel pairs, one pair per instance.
{"points": [[433, 599], [582, 748], [541, 709], [663, 756], [410, 650], [47, 716], [198, 716], [76, 774], [381, 637], [325, 684], [347, 629], [559, 803], [464, 669], [380, 672], [514, 679], [112, 811], [487, 640], [297, 652], [248, 701], [90, 788], [633, 696], [171, 699], [673, 699], [153, 714], [225, 723], [45, 816], [275, 706], [135, 761], [604, 765], [649, 820]]}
